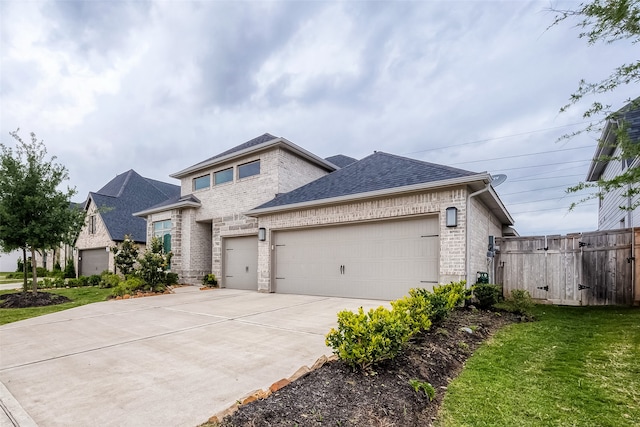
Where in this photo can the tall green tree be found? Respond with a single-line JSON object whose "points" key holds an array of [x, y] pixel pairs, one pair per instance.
{"points": [[34, 214], [608, 22]]}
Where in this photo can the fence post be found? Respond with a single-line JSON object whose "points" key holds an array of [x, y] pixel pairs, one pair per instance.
{"points": [[636, 264]]}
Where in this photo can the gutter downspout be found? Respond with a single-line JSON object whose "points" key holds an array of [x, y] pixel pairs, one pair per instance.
{"points": [[466, 232]]}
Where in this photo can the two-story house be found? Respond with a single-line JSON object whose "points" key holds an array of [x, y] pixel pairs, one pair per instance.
{"points": [[269, 215], [109, 217], [607, 164]]}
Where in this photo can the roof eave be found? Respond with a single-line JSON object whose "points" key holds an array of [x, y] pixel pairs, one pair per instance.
{"points": [[178, 205], [260, 147], [606, 146], [494, 203], [482, 177]]}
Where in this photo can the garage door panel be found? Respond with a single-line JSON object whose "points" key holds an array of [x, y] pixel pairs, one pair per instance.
{"points": [[93, 261], [241, 263], [380, 260]]}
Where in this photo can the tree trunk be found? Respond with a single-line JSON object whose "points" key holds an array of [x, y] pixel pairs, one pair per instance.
{"points": [[34, 269], [24, 270]]}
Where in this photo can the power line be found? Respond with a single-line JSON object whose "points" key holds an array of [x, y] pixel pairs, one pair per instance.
{"points": [[493, 139], [546, 200], [547, 164], [535, 189], [525, 155], [549, 177], [552, 209]]}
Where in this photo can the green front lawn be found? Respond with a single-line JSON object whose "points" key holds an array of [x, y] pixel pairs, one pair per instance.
{"points": [[575, 366], [78, 297]]}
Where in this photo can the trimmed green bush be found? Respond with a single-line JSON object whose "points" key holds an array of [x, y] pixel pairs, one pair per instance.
{"points": [[69, 269], [415, 310], [129, 286], [94, 280], [109, 280], [74, 283], [487, 295], [363, 339], [171, 279]]}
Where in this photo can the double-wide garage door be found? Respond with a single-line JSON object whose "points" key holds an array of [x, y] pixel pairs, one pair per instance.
{"points": [[93, 261], [378, 260]]}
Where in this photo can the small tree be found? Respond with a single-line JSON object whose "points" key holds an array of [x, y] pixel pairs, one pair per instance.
{"points": [[34, 214], [154, 264], [609, 21], [125, 255], [69, 269]]}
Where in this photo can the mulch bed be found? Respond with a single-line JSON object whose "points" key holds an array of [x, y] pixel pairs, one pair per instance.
{"points": [[31, 299], [336, 395]]}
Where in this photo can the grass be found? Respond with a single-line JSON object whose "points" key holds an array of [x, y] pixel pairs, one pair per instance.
{"points": [[575, 366], [78, 297]]}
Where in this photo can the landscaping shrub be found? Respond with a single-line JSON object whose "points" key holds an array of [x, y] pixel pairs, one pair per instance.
{"points": [[59, 282], [128, 287], [69, 269], [518, 302], [363, 339], [109, 280], [125, 255], [45, 283], [83, 281], [487, 295], [415, 310], [153, 266], [210, 280], [94, 280], [172, 279], [74, 283], [42, 272]]}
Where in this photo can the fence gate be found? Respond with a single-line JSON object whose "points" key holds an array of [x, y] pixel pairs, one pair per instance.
{"points": [[593, 268]]}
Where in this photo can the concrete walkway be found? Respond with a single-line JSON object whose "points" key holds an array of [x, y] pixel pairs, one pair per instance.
{"points": [[170, 360]]}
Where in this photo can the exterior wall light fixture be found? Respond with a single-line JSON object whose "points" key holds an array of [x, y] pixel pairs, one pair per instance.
{"points": [[452, 217], [262, 234]]}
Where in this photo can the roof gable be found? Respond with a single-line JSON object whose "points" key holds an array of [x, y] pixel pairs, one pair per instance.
{"points": [[379, 171], [341, 160], [128, 193]]}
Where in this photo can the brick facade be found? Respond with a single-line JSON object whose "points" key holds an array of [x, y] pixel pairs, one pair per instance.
{"points": [[99, 239]]}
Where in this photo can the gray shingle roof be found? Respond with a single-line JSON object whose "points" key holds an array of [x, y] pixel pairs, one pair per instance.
{"points": [[251, 143], [378, 171], [128, 193], [341, 160]]}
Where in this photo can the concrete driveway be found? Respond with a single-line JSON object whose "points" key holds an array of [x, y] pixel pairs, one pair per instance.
{"points": [[170, 360]]}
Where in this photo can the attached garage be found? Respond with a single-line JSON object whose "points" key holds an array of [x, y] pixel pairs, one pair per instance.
{"points": [[93, 261], [240, 268], [378, 260]]}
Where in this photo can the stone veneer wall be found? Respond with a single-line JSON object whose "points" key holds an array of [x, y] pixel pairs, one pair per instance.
{"points": [[452, 246]]}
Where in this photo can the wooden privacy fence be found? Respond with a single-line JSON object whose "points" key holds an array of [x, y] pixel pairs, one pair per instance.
{"points": [[595, 268]]}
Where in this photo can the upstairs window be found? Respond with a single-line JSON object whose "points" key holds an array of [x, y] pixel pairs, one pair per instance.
{"points": [[223, 176], [249, 169], [201, 182], [92, 224]]}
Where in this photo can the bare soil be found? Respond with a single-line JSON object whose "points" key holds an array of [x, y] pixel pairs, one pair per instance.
{"points": [[336, 395], [31, 299]]}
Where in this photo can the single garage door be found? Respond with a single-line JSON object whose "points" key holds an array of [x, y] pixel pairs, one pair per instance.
{"points": [[378, 260], [241, 262], [93, 261]]}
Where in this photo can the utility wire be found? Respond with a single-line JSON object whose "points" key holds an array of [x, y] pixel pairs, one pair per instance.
{"points": [[525, 155], [535, 189], [547, 164], [552, 209], [548, 177], [547, 200], [493, 139]]}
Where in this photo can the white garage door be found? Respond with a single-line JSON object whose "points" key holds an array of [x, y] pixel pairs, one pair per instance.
{"points": [[379, 260], [241, 262], [93, 261]]}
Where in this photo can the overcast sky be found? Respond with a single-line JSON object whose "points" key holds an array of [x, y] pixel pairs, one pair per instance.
{"points": [[158, 86]]}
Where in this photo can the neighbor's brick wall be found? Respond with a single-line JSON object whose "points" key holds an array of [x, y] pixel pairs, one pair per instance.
{"points": [[100, 239], [485, 224], [452, 248]]}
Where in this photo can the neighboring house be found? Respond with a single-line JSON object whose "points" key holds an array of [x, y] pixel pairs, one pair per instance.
{"points": [[268, 215], [610, 215], [109, 218]]}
